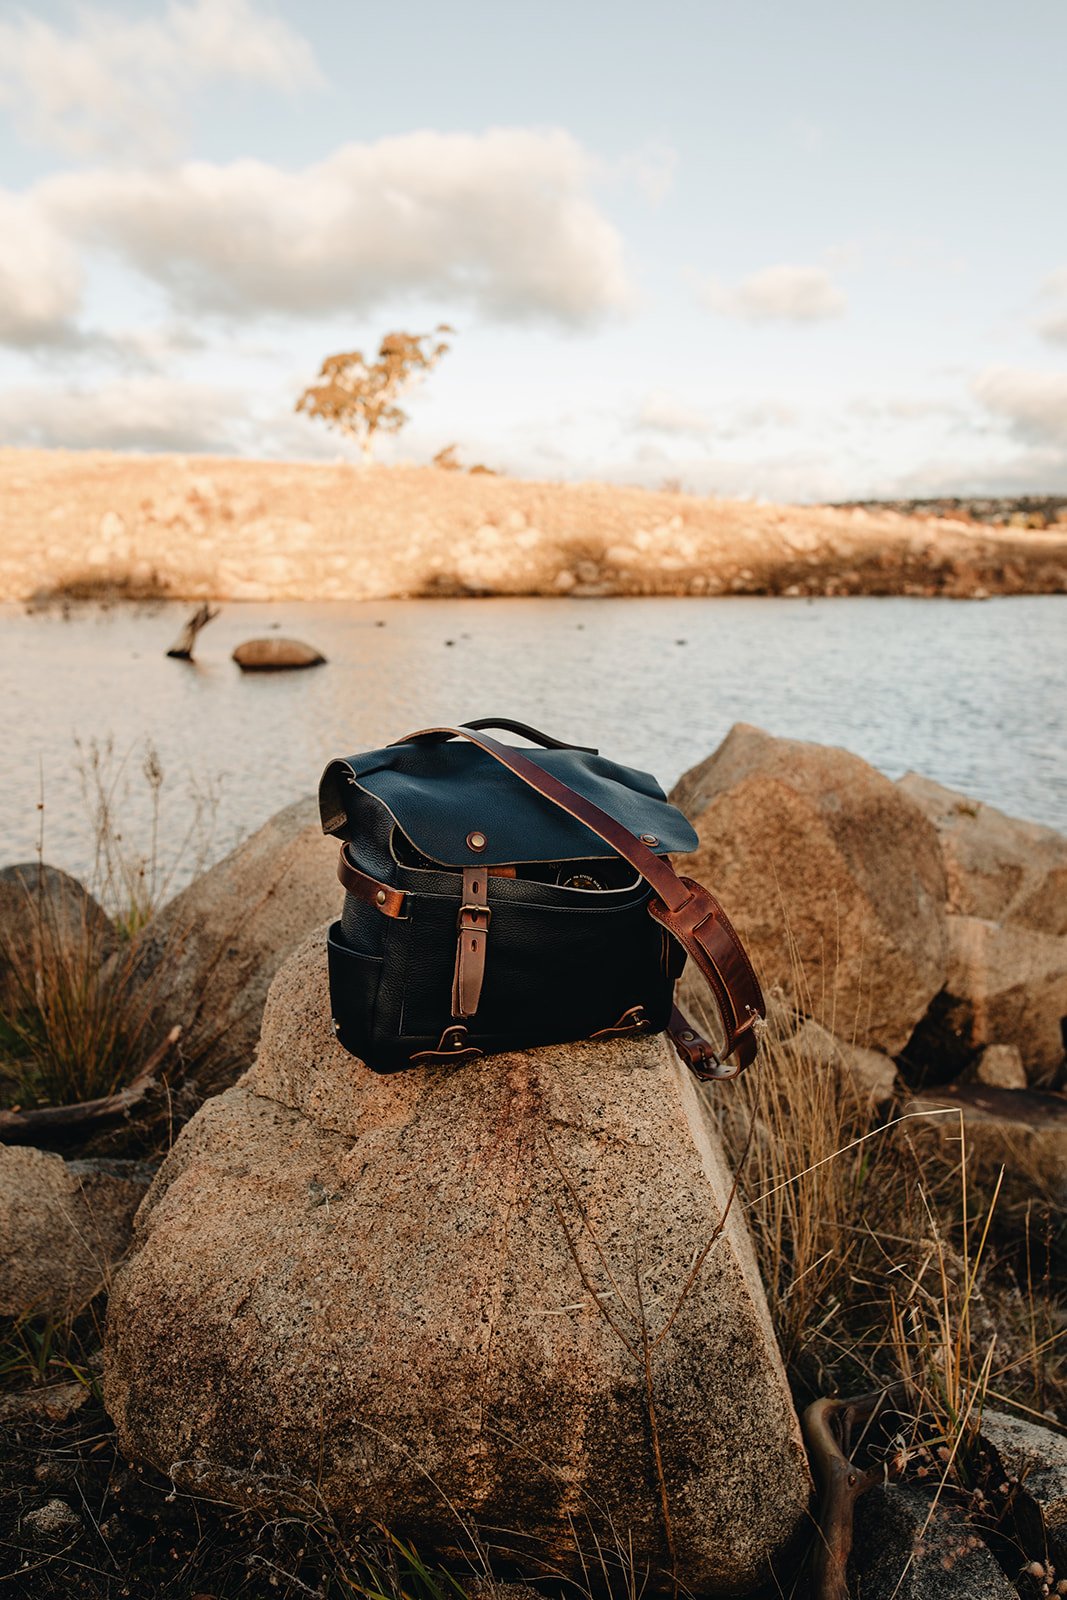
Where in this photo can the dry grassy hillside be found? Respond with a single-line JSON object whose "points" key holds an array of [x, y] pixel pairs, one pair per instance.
{"points": [[73, 522]]}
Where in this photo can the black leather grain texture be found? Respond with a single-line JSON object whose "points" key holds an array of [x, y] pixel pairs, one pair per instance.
{"points": [[441, 793], [563, 959]]}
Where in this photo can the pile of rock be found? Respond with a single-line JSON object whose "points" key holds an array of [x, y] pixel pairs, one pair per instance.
{"points": [[922, 933], [203, 965], [512, 1298]]}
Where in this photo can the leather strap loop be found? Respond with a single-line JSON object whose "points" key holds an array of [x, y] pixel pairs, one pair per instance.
{"points": [[685, 909], [390, 902], [472, 926]]}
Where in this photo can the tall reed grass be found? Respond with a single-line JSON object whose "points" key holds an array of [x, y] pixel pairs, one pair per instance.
{"points": [[76, 1008]]}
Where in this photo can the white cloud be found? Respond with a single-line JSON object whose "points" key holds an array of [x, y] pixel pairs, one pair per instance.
{"points": [[1053, 326], [152, 412], [115, 82], [782, 293], [662, 412], [40, 278], [148, 413], [501, 220], [653, 169], [1034, 403]]}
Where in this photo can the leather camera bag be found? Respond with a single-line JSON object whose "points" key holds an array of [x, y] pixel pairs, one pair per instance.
{"points": [[499, 898]]}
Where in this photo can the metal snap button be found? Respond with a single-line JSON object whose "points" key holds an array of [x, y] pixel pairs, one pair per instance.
{"points": [[649, 838], [476, 841], [380, 897]]}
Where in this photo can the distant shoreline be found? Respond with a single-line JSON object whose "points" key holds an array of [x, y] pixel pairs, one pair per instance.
{"points": [[85, 524]]}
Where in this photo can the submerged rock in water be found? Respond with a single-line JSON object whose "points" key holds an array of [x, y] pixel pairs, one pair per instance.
{"points": [[461, 1294], [276, 655]]}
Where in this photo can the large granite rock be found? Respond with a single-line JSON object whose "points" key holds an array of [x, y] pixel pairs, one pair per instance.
{"points": [[1022, 1130], [1036, 1459], [462, 1293], [998, 867], [45, 916], [869, 1074], [63, 1226], [1005, 984], [210, 954], [833, 876], [908, 1548]]}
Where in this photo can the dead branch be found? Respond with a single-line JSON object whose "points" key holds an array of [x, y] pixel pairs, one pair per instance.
{"points": [[829, 1434], [85, 1116], [182, 648]]}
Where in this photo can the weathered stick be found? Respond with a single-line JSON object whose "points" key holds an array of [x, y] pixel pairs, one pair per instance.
{"points": [[84, 1116], [828, 1426], [182, 648]]}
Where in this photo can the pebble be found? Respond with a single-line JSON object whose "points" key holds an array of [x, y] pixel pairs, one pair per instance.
{"points": [[53, 1523]]}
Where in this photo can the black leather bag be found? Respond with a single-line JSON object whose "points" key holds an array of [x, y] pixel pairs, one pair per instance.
{"points": [[499, 898]]}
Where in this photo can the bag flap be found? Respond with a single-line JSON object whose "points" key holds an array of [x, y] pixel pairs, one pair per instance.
{"points": [[438, 793]]}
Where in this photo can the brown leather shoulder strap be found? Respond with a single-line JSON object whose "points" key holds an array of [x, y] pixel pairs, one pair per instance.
{"points": [[688, 911]]}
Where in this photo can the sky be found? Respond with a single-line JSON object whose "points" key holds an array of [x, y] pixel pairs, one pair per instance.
{"points": [[805, 251]]}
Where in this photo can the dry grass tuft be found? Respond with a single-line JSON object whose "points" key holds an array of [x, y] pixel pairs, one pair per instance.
{"points": [[76, 1012], [885, 1261]]}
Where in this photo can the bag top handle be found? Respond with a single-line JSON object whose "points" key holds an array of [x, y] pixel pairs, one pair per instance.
{"points": [[689, 912], [523, 729]]}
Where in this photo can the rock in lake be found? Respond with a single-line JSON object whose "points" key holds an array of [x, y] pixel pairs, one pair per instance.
{"points": [[211, 953], [443, 1295], [276, 655], [63, 1225], [834, 876]]}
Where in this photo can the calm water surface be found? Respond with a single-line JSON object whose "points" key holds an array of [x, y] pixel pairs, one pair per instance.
{"points": [[971, 693]]}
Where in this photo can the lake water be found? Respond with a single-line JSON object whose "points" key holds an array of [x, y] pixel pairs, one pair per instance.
{"points": [[971, 693]]}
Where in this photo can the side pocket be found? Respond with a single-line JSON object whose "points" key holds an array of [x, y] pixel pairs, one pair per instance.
{"points": [[354, 980]]}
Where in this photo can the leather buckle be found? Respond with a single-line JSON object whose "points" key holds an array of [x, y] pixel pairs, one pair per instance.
{"points": [[454, 1045], [632, 1022], [474, 911], [711, 1068]]}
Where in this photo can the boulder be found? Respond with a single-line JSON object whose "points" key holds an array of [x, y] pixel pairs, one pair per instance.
{"points": [[46, 914], [1023, 1130], [906, 1548], [1036, 1458], [448, 1297], [1000, 1066], [63, 1226], [1005, 984], [276, 655], [833, 876], [997, 866], [210, 954], [871, 1075]]}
